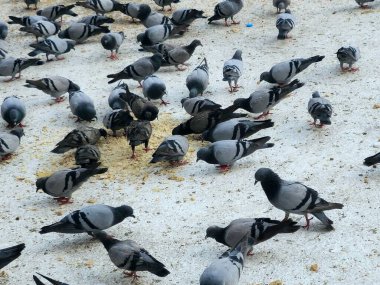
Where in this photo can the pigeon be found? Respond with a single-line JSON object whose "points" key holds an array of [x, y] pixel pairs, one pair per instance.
{"points": [[140, 107], [139, 132], [281, 4], [114, 100], [9, 142], [136, 10], [90, 219], [26, 21], [158, 48], [281, 73], [226, 153], [101, 6], [179, 55], [42, 29], [87, 155], [172, 149], [63, 183], [82, 106], [372, 160], [226, 9], [117, 119], [361, 3], [320, 109], [112, 41], [235, 129], [52, 281], [55, 86], [31, 2], [79, 137], [130, 256], [285, 23], [348, 55], [96, 20], [232, 70], [163, 3], [138, 70], [10, 66], [7, 255], [57, 11], [3, 30], [79, 32], [154, 88], [52, 45], [153, 18], [13, 111], [198, 80], [158, 34], [186, 16], [262, 101], [294, 197], [196, 105]]}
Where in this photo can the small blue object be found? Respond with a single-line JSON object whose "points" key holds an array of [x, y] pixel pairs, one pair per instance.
{"points": [[249, 25]]}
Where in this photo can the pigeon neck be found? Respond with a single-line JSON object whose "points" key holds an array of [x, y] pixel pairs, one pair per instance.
{"points": [[271, 185], [108, 242], [219, 234], [191, 48]]}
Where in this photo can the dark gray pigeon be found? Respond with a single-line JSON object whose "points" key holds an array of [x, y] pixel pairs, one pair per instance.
{"points": [[82, 106], [52, 45], [112, 41], [7, 255], [361, 3], [13, 111], [128, 255], [179, 55], [79, 32], [198, 80], [10, 66], [3, 30], [117, 120], [226, 9], [348, 55], [281, 4], [114, 100], [9, 142], [31, 2], [139, 132], [42, 29], [96, 20], [163, 3], [226, 153], [57, 11], [154, 88], [285, 23], [320, 109], [197, 105], [159, 33], [153, 18], [372, 160], [294, 197], [55, 86], [87, 156], [51, 280], [101, 6], [136, 10], [63, 183], [232, 70], [172, 149], [186, 16], [26, 20]]}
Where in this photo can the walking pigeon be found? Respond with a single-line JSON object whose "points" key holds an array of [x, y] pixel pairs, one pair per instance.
{"points": [[79, 32], [158, 34], [42, 29], [281, 4], [52, 45], [9, 142], [117, 119], [114, 100], [226, 9], [320, 109], [57, 11], [172, 149], [179, 55], [7, 255], [198, 80], [186, 16], [163, 3], [285, 23], [82, 106], [232, 70], [154, 88], [13, 111], [101, 6], [31, 2], [3, 30], [197, 105], [348, 55], [112, 41], [10, 66], [136, 10], [139, 132]]}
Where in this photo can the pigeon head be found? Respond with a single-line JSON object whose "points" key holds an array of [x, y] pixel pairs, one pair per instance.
{"points": [[287, 11], [19, 132], [197, 14], [40, 183], [103, 133], [196, 43], [86, 113], [215, 232], [104, 20], [205, 154], [316, 94], [149, 113], [144, 12], [141, 37], [238, 54], [265, 174], [125, 211], [183, 100], [180, 130], [242, 103], [73, 87], [265, 76], [324, 116], [156, 60], [70, 45]]}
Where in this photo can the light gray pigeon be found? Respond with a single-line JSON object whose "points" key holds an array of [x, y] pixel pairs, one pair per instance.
{"points": [[26, 20], [112, 41], [57, 11], [232, 70], [281, 73], [101, 6], [235, 129], [139, 132], [9, 142], [285, 23], [90, 219], [42, 29], [226, 9], [10, 66], [154, 88], [3, 30], [51, 280], [63, 183], [281, 4], [372, 160], [7, 255], [79, 32], [31, 2], [294, 197], [117, 120], [13, 111], [79, 137], [128, 255], [52, 45], [163, 3], [87, 155], [179, 55], [262, 101], [197, 105], [82, 106], [198, 80], [136, 10], [186, 16], [226, 153], [153, 18], [172, 149], [350, 56], [96, 20], [361, 3], [114, 100], [55, 86], [159, 33], [320, 109]]}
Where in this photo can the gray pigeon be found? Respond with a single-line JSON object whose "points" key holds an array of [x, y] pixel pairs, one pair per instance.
{"points": [[281, 73], [114, 100], [154, 88], [158, 48], [3, 30], [79, 32], [55, 86], [179, 55], [139, 132], [82, 106], [96, 20], [9, 142], [197, 105], [235, 129], [10, 66], [361, 3], [262, 101], [198, 80], [87, 155], [63, 183], [226, 9], [7, 255], [112, 41], [281, 4], [153, 18], [226, 153], [372, 160], [26, 20], [163, 3], [101, 6], [136, 10], [172, 149], [57, 11], [51, 280], [138, 70], [285, 23], [42, 29], [128, 255], [186, 16], [90, 219], [294, 197], [52, 45], [232, 70], [320, 109], [13, 111], [159, 33], [79, 137], [348, 55], [31, 2], [117, 120]]}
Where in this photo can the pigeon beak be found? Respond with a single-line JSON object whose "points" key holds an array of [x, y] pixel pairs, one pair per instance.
{"points": [[206, 237], [256, 182]]}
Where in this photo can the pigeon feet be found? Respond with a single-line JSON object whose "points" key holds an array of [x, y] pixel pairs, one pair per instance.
{"points": [[235, 22], [263, 115], [63, 200], [113, 56], [223, 168], [132, 274], [164, 102], [147, 149], [59, 99], [178, 163], [250, 252], [11, 79], [307, 222], [6, 157]]}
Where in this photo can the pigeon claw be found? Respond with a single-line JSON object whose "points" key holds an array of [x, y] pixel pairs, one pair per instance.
{"points": [[178, 162], [59, 99], [63, 200], [307, 222], [6, 157], [132, 274], [263, 115], [223, 168], [164, 102]]}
